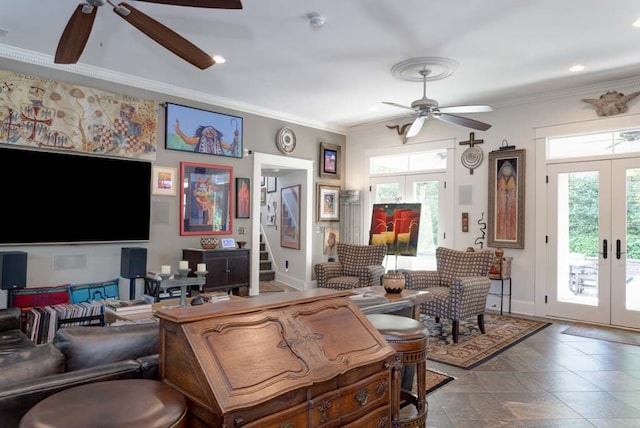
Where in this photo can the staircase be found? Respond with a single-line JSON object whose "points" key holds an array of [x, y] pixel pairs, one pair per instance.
{"points": [[266, 273]]}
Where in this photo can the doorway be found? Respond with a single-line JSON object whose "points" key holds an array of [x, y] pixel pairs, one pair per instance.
{"points": [[593, 255], [265, 164]]}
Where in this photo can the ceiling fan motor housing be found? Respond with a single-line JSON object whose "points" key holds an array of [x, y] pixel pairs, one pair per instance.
{"points": [[424, 103]]}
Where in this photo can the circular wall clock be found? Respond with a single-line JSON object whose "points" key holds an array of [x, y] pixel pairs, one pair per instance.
{"points": [[286, 140]]}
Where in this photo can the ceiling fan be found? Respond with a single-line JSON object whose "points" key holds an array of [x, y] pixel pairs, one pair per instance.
{"points": [[427, 108], [76, 33]]}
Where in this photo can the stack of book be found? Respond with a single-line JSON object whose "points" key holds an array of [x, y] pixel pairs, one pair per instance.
{"points": [[127, 306]]}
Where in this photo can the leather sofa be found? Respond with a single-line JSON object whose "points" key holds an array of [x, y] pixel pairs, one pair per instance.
{"points": [[30, 373]]}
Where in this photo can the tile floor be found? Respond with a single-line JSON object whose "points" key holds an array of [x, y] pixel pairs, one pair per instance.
{"points": [[548, 380]]}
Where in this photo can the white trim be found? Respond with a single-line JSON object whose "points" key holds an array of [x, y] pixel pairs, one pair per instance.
{"points": [[264, 160]]}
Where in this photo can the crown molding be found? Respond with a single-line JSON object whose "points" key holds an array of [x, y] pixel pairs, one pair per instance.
{"points": [[160, 88]]}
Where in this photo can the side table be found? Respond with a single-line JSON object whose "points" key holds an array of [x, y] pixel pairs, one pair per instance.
{"points": [[502, 294]]}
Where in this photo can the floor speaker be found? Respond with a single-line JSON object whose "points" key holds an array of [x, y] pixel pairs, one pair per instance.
{"points": [[13, 270], [133, 262]]}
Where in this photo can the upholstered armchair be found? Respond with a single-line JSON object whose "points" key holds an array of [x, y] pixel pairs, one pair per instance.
{"points": [[459, 287], [357, 266]]}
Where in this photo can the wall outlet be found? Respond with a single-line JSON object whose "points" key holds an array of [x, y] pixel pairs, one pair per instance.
{"points": [[242, 231]]}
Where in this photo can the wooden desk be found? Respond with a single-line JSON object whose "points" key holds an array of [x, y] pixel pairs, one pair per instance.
{"points": [[304, 358], [414, 296]]}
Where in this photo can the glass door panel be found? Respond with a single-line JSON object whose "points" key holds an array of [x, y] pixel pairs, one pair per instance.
{"points": [[594, 239]]}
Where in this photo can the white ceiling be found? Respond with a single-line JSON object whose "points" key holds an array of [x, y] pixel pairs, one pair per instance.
{"points": [[507, 51]]}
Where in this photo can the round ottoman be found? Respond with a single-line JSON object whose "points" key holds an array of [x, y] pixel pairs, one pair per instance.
{"points": [[116, 403]]}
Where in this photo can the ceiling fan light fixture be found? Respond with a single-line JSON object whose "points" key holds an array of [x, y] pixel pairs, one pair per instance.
{"points": [[219, 59]]}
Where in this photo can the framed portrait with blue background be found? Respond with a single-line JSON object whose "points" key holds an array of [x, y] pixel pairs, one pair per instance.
{"points": [[190, 129]]}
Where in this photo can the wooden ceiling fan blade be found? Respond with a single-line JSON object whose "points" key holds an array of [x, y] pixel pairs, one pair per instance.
{"points": [[397, 105], [166, 37], [466, 109], [75, 35], [212, 4], [416, 126], [463, 121]]}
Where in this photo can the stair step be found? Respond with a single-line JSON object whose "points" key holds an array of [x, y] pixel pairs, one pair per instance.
{"points": [[267, 275], [264, 255], [265, 265]]}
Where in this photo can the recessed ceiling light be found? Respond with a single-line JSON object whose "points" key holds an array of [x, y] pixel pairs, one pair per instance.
{"points": [[219, 59], [636, 23], [576, 67]]}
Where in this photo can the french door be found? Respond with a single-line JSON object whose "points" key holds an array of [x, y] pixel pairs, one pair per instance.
{"points": [[435, 213], [594, 241]]}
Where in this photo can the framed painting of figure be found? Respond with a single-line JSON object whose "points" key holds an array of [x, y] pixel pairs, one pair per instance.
{"points": [[194, 130], [505, 223]]}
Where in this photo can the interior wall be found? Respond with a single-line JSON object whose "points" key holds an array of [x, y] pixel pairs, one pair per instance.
{"points": [[94, 263], [515, 125]]}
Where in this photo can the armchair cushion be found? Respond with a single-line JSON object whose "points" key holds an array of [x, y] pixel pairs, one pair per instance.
{"points": [[355, 258], [459, 264], [357, 266]]}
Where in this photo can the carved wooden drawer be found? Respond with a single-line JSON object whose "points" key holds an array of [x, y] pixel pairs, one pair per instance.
{"points": [[363, 396], [350, 402], [296, 417], [378, 418]]}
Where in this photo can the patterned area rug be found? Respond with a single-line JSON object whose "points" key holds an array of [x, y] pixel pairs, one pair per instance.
{"points": [[268, 287], [610, 334], [435, 380], [473, 347]]}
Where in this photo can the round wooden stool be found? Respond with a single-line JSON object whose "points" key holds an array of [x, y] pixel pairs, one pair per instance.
{"points": [[409, 339], [116, 403]]}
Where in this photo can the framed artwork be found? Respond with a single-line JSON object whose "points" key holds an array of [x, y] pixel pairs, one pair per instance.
{"points": [[205, 199], [330, 242], [272, 207], [397, 226], [194, 130], [243, 198], [290, 217], [272, 184], [163, 180], [328, 203], [263, 181], [505, 223], [263, 196], [329, 160]]}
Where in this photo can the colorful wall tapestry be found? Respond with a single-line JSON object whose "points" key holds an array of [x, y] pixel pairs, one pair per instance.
{"points": [[44, 113]]}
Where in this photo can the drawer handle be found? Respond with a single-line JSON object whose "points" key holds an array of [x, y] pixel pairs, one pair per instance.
{"points": [[362, 397], [323, 408], [381, 388]]}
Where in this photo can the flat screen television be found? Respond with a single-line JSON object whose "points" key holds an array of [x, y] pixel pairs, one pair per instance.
{"points": [[63, 198]]}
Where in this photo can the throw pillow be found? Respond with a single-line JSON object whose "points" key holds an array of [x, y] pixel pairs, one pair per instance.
{"points": [[95, 291], [40, 296]]}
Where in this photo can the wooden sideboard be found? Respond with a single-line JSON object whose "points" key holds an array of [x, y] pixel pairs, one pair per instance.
{"points": [[227, 269], [298, 359]]}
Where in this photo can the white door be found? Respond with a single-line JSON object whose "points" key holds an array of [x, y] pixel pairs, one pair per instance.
{"points": [[430, 191], [593, 253]]}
